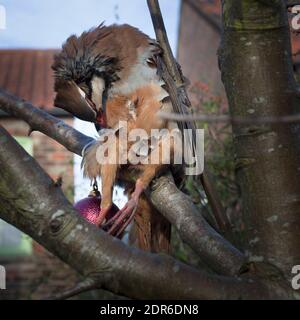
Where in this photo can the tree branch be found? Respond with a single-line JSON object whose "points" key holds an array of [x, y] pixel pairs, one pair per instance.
{"points": [[171, 74], [212, 118], [75, 142], [39, 120], [193, 228], [85, 285], [38, 207]]}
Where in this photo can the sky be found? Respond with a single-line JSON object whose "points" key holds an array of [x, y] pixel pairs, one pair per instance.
{"points": [[47, 24]]}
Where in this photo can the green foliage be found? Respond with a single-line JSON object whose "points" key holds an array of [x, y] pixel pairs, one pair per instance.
{"points": [[220, 161]]}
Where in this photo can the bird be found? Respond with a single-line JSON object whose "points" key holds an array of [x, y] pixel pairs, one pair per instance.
{"points": [[109, 75]]}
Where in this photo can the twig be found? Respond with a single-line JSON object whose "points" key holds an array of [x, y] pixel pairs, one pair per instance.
{"points": [[172, 75], [87, 284], [230, 119]]}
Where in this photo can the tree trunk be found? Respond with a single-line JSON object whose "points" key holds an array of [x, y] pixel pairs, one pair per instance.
{"points": [[255, 60]]}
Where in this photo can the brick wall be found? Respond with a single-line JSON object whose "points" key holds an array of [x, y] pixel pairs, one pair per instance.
{"points": [[40, 274], [54, 158]]}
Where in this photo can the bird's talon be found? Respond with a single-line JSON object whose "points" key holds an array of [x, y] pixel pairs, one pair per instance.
{"points": [[122, 219], [102, 216]]}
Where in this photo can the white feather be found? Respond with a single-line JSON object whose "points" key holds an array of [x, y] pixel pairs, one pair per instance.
{"points": [[98, 85], [140, 75]]}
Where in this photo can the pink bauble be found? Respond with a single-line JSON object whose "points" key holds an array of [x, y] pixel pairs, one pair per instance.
{"points": [[89, 208]]}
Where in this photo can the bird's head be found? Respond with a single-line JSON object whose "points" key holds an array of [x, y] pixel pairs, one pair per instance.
{"points": [[83, 76]]}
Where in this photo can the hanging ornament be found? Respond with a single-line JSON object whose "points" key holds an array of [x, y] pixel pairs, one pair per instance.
{"points": [[89, 207]]}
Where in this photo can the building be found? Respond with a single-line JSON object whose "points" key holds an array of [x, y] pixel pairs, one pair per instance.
{"points": [[199, 38], [31, 271], [198, 43]]}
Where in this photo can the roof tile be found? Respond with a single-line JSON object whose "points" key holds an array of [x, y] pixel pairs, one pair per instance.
{"points": [[28, 75]]}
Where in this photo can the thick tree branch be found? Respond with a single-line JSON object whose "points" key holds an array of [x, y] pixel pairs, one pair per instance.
{"points": [[39, 120], [193, 228], [75, 142], [35, 205]]}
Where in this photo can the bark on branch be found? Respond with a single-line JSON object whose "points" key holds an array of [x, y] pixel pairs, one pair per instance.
{"points": [[39, 120], [171, 74], [38, 207], [75, 142], [257, 49]]}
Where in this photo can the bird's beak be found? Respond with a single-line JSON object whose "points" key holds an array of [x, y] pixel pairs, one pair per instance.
{"points": [[101, 120], [69, 98], [98, 102]]}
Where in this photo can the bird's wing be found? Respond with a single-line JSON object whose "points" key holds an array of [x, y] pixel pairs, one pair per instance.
{"points": [[180, 101]]}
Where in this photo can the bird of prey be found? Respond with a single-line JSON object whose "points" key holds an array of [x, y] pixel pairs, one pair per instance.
{"points": [[105, 75]]}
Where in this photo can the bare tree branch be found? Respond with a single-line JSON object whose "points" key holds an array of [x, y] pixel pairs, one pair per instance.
{"points": [[171, 73], [42, 121], [193, 228], [38, 207], [212, 118], [75, 142], [85, 285]]}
